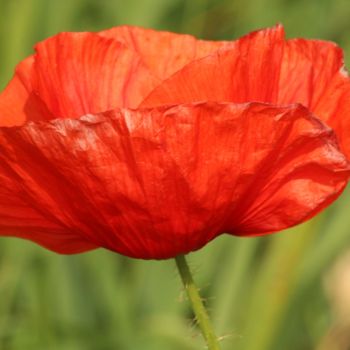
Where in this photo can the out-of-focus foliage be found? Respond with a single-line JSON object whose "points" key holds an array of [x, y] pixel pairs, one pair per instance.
{"points": [[263, 294]]}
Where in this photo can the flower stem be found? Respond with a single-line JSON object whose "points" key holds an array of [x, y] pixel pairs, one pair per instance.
{"points": [[197, 304]]}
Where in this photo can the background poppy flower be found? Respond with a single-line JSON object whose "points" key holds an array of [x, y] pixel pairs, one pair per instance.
{"points": [[151, 144]]}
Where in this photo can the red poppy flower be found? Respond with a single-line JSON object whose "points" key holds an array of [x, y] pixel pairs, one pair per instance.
{"points": [[151, 144]]}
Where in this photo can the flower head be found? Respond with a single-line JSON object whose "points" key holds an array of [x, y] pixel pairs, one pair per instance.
{"points": [[151, 144]]}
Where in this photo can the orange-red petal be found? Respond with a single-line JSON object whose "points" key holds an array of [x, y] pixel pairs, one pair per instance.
{"points": [[335, 106], [264, 67], [81, 73], [22, 216], [308, 66], [18, 102], [155, 183], [313, 74], [163, 52], [248, 71]]}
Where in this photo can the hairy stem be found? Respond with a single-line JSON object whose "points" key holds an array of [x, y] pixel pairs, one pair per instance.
{"points": [[197, 304]]}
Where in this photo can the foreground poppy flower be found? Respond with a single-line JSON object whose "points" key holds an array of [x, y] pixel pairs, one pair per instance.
{"points": [[151, 144]]}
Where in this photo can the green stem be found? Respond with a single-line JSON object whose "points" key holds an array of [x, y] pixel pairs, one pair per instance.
{"points": [[197, 304]]}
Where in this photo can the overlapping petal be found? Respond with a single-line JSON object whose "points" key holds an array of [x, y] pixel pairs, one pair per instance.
{"points": [[248, 71], [73, 74], [164, 53], [80, 73], [265, 67], [237, 168]]}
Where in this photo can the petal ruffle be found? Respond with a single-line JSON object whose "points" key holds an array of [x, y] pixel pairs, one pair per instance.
{"points": [[335, 106], [246, 72], [122, 179], [308, 66], [163, 52], [313, 74], [18, 102]]}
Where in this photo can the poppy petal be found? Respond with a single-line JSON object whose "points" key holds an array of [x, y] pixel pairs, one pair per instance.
{"points": [[163, 52], [246, 72], [313, 74], [81, 73], [18, 102], [307, 68], [20, 217], [122, 179], [335, 105]]}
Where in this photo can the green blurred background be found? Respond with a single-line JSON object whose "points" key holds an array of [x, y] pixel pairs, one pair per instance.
{"points": [[282, 292]]}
